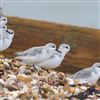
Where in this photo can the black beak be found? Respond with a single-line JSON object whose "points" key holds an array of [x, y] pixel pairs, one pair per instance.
{"points": [[9, 32], [58, 51]]}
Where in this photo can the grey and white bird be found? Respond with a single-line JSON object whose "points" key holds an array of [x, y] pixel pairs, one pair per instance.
{"points": [[89, 75], [6, 39], [55, 60], [36, 55], [2, 31], [3, 21]]}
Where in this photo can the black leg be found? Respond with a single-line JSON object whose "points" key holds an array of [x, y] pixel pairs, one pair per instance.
{"points": [[35, 68]]}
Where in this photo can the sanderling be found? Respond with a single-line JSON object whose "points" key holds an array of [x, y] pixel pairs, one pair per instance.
{"points": [[3, 21], [90, 75], [36, 54], [6, 39], [54, 60]]}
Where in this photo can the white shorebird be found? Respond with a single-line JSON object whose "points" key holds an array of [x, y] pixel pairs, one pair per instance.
{"points": [[6, 39], [90, 75], [54, 60], [3, 21], [36, 54]]}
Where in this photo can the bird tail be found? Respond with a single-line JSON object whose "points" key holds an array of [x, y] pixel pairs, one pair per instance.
{"points": [[18, 58], [18, 53]]}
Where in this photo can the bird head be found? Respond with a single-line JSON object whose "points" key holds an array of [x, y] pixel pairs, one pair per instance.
{"points": [[50, 46], [64, 48], [3, 29], [3, 20]]}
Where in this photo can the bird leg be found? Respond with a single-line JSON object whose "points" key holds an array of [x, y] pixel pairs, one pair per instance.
{"points": [[37, 68]]}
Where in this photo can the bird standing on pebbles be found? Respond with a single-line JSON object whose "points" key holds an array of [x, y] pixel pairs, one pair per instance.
{"points": [[36, 55], [55, 60], [89, 75]]}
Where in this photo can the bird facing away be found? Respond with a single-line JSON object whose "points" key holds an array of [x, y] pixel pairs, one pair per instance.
{"points": [[55, 60], [6, 39], [90, 75], [36, 54], [3, 21]]}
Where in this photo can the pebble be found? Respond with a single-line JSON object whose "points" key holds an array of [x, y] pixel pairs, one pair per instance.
{"points": [[20, 82]]}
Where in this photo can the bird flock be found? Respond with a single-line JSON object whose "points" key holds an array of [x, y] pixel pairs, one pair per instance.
{"points": [[47, 56]]}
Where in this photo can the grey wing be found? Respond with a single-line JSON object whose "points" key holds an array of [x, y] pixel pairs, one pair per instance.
{"points": [[85, 73], [30, 52], [55, 53]]}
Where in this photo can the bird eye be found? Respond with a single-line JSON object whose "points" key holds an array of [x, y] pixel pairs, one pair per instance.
{"points": [[53, 46], [4, 19], [66, 47], [4, 27], [7, 31]]}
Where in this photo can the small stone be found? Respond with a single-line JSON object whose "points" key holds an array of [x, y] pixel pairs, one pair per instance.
{"points": [[70, 81], [7, 66], [24, 79], [11, 87], [71, 90], [77, 91]]}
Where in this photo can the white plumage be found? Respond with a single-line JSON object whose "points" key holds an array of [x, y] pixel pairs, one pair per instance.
{"points": [[56, 59], [36, 54], [6, 38], [90, 75]]}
